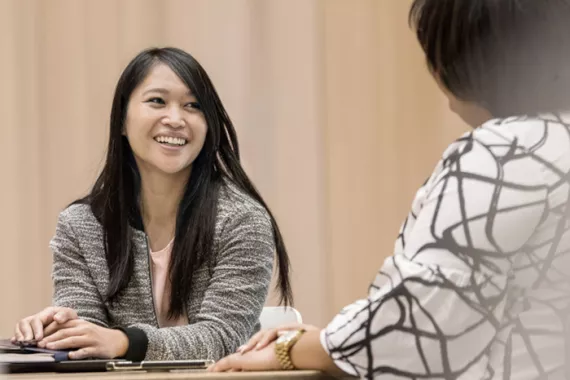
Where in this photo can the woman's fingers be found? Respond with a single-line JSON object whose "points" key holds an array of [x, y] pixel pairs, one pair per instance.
{"points": [[37, 328], [56, 318], [52, 328], [18, 333], [42, 319], [264, 337], [32, 328], [72, 341], [65, 314], [60, 319], [251, 343], [268, 337], [64, 331], [24, 330], [259, 340], [84, 353]]}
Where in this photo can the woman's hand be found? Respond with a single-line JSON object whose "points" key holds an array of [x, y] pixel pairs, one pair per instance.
{"points": [[90, 339], [265, 337], [262, 359], [42, 324], [307, 353]]}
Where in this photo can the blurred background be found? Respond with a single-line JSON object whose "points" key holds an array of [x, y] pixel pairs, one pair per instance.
{"points": [[338, 119]]}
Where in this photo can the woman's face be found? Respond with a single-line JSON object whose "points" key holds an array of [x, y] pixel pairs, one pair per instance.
{"points": [[470, 112], [164, 127]]}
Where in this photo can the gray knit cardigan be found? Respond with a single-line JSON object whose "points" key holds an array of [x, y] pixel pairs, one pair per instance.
{"points": [[226, 299]]}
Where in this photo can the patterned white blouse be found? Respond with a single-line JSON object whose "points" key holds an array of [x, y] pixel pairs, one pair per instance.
{"points": [[479, 284]]}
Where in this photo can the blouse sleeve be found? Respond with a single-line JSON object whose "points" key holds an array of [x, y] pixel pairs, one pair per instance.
{"points": [[73, 285], [436, 304]]}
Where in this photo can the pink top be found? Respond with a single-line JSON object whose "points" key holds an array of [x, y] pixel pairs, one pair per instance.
{"points": [[161, 288]]}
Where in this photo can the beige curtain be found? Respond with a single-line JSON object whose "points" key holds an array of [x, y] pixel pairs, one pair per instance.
{"points": [[338, 119]]}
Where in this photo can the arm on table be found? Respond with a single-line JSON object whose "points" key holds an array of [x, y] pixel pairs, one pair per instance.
{"points": [[233, 300]]}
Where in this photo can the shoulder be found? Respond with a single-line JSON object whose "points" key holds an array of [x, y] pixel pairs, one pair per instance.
{"points": [[540, 143], [78, 232], [546, 136], [529, 156], [241, 217], [533, 141], [235, 203], [79, 218]]}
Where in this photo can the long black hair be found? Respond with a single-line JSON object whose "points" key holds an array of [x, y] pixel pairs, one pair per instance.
{"points": [[114, 199], [509, 56]]}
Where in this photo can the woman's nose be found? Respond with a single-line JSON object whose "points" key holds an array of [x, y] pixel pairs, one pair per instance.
{"points": [[173, 118]]}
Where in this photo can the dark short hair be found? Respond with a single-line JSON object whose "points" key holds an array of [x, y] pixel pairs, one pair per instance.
{"points": [[510, 56]]}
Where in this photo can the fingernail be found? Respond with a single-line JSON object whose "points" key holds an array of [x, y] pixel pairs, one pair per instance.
{"points": [[240, 348], [258, 346]]}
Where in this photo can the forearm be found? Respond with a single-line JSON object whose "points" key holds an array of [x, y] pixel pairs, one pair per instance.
{"points": [[308, 353], [194, 341]]}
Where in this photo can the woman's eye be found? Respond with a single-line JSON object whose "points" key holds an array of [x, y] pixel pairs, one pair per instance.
{"points": [[155, 101], [195, 105]]}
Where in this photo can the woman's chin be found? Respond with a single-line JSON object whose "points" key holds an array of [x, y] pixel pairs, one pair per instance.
{"points": [[173, 169]]}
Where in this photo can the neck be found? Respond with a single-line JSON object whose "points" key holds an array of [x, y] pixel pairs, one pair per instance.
{"points": [[160, 197]]}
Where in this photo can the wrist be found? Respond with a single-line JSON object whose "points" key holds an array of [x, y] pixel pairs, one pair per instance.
{"points": [[308, 353], [283, 346], [137, 343], [298, 352], [121, 343]]}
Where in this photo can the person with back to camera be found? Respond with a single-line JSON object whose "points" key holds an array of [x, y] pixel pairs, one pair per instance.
{"points": [[478, 286]]}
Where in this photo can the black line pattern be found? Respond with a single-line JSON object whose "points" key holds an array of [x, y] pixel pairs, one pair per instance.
{"points": [[479, 283]]}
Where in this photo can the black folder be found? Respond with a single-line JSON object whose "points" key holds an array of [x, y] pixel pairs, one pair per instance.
{"points": [[23, 359]]}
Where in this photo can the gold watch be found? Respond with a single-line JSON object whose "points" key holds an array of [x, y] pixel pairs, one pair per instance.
{"points": [[283, 346]]}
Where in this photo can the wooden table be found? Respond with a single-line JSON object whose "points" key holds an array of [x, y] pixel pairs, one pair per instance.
{"points": [[279, 375]]}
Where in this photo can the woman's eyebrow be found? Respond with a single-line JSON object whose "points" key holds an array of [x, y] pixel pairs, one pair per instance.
{"points": [[164, 91]]}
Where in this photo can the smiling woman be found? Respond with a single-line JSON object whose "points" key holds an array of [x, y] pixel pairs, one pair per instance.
{"points": [[170, 256], [163, 110]]}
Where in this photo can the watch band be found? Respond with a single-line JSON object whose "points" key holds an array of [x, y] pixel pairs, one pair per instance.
{"points": [[283, 349]]}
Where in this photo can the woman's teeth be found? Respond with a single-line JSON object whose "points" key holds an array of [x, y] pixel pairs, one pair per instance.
{"points": [[171, 140]]}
